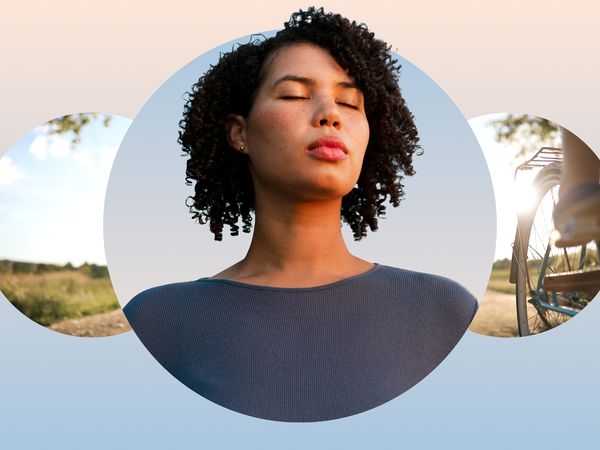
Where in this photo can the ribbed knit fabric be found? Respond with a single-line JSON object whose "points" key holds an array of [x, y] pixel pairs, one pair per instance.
{"points": [[303, 354]]}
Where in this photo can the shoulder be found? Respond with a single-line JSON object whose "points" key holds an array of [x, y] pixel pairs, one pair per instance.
{"points": [[432, 292], [161, 300]]}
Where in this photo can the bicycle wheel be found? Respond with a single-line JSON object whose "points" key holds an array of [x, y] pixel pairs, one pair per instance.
{"points": [[539, 309]]}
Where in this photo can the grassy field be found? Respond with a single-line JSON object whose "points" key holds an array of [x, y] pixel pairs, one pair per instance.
{"points": [[499, 281], [499, 277], [501, 269], [54, 296]]}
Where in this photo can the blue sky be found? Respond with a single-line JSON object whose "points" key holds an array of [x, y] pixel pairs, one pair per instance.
{"points": [[52, 194]]}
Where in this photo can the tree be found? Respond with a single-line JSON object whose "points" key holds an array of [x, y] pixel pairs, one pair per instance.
{"points": [[527, 133], [73, 123]]}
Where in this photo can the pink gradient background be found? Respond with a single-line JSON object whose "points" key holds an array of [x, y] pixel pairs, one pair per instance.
{"points": [[68, 56]]}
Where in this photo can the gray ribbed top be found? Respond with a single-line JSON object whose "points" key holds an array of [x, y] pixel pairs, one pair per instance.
{"points": [[303, 354]]}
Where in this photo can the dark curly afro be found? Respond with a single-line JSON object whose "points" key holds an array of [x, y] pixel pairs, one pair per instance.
{"points": [[223, 186]]}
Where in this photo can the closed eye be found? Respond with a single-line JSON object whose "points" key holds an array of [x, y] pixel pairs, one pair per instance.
{"points": [[349, 105], [294, 97]]}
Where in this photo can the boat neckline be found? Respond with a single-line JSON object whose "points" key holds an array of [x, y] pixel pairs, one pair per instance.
{"points": [[261, 287]]}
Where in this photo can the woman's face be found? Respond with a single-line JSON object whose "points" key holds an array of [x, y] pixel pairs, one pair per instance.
{"points": [[307, 131]]}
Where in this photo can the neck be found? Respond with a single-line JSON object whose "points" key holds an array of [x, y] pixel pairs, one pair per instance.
{"points": [[296, 244], [299, 236]]}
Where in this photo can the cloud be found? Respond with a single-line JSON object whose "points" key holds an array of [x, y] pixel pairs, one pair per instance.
{"points": [[107, 157], [55, 146], [83, 157], [59, 148], [9, 173], [39, 147], [98, 162]]}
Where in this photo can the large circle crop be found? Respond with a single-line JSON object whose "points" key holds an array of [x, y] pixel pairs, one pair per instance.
{"points": [[444, 226]]}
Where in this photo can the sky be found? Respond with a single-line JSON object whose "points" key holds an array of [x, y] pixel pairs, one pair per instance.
{"points": [[52, 194], [511, 195]]}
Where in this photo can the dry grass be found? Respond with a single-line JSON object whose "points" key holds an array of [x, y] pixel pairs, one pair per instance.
{"points": [[55, 296], [499, 281]]}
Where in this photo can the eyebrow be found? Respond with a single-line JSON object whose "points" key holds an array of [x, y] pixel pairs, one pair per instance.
{"points": [[309, 82]]}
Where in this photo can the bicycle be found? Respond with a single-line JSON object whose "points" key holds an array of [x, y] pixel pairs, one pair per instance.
{"points": [[552, 284]]}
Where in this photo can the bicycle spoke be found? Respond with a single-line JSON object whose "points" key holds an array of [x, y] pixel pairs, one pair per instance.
{"points": [[537, 258]]}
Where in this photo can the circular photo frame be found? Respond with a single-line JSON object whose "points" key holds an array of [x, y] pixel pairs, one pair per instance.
{"points": [[323, 345]]}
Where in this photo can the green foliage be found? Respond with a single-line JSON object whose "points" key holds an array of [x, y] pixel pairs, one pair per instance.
{"points": [[502, 264], [94, 271], [73, 123], [19, 267], [527, 133]]}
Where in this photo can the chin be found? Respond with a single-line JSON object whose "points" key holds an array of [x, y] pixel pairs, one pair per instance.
{"points": [[327, 187], [322, 193]]}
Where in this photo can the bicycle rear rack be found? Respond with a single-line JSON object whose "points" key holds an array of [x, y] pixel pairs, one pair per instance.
{"points": [[543, 157]]}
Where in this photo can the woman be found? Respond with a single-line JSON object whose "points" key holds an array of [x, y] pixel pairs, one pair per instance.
{"points": [[304, 129]]}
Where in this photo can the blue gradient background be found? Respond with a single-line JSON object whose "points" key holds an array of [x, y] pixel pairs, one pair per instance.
{"points": [[64, 392], [489, 393]]}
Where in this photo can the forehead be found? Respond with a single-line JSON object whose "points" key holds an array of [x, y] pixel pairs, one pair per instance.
{"points": [[303, 59]]}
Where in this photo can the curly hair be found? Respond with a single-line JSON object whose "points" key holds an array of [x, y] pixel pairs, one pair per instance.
{"points": [[223, 191]]}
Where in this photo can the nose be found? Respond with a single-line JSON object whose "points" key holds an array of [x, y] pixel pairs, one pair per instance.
{"points": [[328, 115]]}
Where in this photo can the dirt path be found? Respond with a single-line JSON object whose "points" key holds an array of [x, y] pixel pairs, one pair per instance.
{"points": [[497, 315], [105, 324]]}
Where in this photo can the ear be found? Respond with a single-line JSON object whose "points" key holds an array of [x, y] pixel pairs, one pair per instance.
{"points": [[235, 127]]}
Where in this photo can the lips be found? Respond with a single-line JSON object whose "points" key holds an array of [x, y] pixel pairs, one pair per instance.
{"points": [[328, 149]]}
